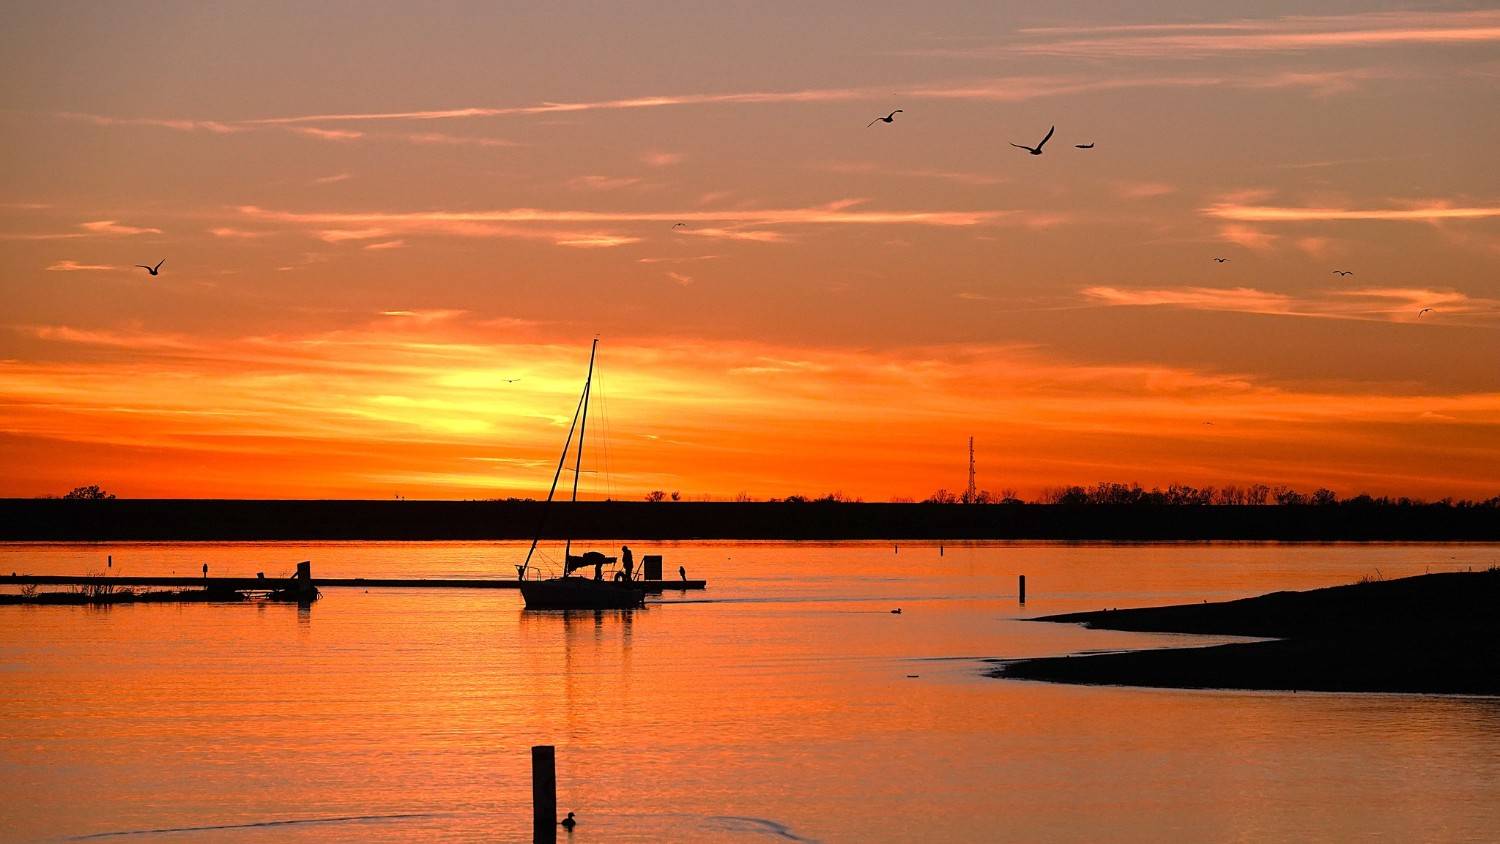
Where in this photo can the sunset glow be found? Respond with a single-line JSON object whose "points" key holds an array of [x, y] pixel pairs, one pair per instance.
{"points": [[384, 264]]}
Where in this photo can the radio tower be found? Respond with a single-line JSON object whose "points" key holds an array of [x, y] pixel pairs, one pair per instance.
{"points": [[971, 495]]}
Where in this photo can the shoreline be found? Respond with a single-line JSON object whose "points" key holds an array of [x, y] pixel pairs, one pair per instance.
{"points": [[1429, 634], [210, 520]]}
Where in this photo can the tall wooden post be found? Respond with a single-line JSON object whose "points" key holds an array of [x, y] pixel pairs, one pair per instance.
{"points": [[543, 794], [1023, 588]]}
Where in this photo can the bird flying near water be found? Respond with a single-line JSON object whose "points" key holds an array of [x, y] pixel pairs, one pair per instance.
{"points": [[1423, 311], [889, 118], [1221, 260], [1343, 272], [1089, 145], [1037, 150], [156, 270]]}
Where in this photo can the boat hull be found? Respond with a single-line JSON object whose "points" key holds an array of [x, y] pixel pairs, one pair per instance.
{"points": [[581, 593]]}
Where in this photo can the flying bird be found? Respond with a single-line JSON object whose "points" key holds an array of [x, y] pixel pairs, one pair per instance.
{"points": [[1343, 272], [889, 118], [1220, 260], [156, 270], [1423, 311], [1089, 145], [510, 380], [679, 225], [1037, 150]]}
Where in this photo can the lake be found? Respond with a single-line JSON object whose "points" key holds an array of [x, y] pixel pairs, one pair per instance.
{"points": [[777, 705]]}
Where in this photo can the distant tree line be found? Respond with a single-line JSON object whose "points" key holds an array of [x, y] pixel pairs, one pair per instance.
{"points": [[1181, 495]]}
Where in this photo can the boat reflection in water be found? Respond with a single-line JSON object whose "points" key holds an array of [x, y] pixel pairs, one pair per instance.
{"points": [[619, 590]]}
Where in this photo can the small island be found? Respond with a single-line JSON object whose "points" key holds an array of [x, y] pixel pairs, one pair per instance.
{"points": [[1434, 633]]}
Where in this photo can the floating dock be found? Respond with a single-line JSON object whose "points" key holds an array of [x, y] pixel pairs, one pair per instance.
{"points": [[260, 583]]}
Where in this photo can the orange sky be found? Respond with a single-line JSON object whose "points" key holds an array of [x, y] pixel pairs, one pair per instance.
{"points": [[373, 215]]}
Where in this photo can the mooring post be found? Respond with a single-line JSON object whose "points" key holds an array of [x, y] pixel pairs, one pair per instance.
{"points": [[1023, 588], [305, 587], [543, 794]]}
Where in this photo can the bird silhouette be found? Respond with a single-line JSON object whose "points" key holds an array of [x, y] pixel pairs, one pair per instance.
{"points": [[1343, 272], [896, 611], [889, 118], [679, 225], [1037, 150], [156, 270], [1089, 145], [1220, 260], [567, 823], [510, 380], [1423, 311]]}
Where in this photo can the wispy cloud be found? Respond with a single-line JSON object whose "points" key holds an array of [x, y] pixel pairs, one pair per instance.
{"points": [[386, 244], [595, 241], [992, 89], [1292, 33], [333, 179], [74, 266], [344, 235], [1423, 212], [751, 235], [557, 226], [684, 280], [662, 159], [114, 227], [328, 134], [231, 233], [1389, 304], [682, 260], [180, 125], [1248, 237], [445, 139]]}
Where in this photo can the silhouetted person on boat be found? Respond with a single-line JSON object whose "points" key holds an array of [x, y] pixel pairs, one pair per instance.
{"points": [[682, 572], [627, 560], [205, 571]]}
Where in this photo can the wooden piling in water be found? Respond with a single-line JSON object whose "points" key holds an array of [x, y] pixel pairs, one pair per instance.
{"points": [[543, 794], [1023, 589]]}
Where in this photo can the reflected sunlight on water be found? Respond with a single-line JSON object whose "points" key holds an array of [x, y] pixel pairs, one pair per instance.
{"points": [[775, 705]]}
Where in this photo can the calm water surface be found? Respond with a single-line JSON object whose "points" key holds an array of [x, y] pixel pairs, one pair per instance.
{"points": [[774, 706]]}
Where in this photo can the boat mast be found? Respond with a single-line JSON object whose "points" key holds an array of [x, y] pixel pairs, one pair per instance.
{"points": [[552, 491], [582, 426]]}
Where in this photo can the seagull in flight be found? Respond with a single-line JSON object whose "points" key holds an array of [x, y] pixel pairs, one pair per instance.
{"points": [[679, 225], [889, 118], [1343, 272], [1037, 150], [1423, 311], [1220, 260], [156, 270], [1089, 145], [510, 380]]}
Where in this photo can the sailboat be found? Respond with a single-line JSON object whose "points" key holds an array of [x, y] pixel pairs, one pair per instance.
{"points": [[568, 592]]}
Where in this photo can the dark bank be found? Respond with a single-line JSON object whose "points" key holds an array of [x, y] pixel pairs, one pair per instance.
{"points": [[1434, 633], [63, 520]]}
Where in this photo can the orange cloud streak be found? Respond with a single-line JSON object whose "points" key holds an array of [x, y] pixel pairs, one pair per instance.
{"points": [[415, 402]]}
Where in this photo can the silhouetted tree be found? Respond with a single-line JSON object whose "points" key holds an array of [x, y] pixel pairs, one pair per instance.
{"points": [[1257, 494], [676, 496], [942, 496], [1323, 497], [656, 495], [92, 492]]}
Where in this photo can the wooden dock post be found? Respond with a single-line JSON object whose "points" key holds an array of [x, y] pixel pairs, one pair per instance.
{"points": [[1023, 589], [543, 794]]}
